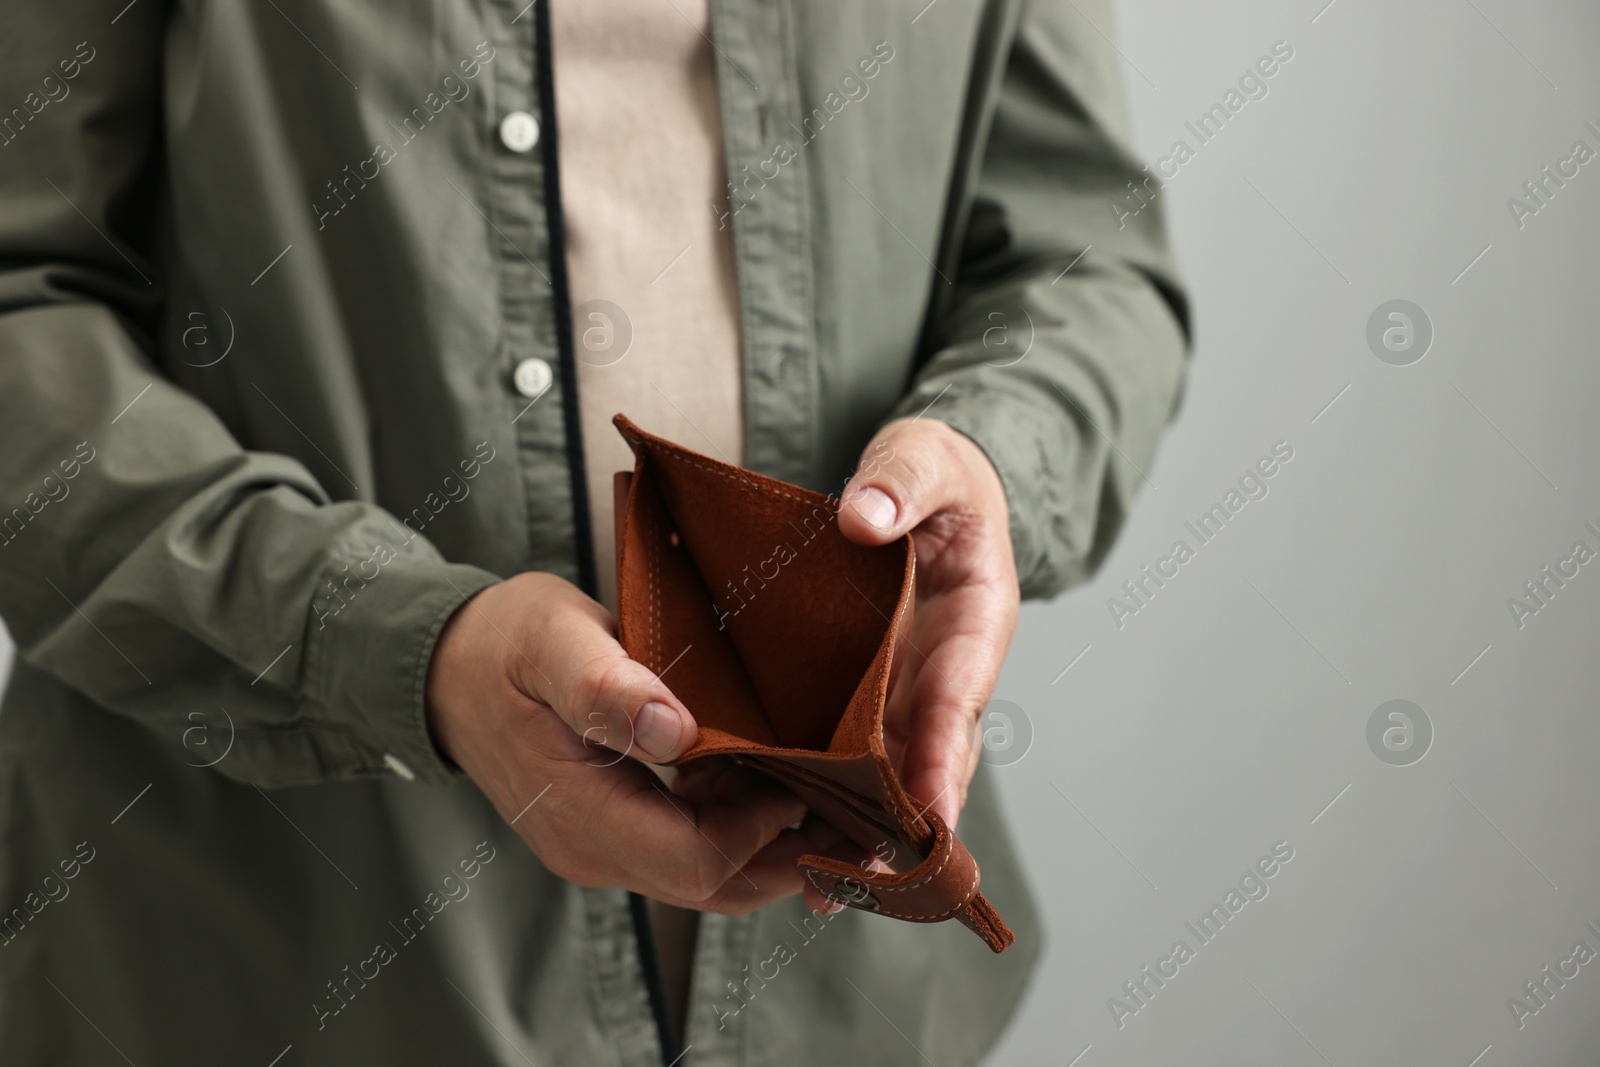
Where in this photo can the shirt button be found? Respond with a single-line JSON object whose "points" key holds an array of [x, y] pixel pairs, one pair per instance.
{"points": [[532, 377], [397, 765], [519, 131]]}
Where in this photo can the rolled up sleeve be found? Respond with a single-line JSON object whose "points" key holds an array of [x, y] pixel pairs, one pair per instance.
{"points": [[1070, 397], [147, 559]]}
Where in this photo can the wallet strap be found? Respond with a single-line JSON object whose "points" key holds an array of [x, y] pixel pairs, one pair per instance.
{"points": [[943, 886]]}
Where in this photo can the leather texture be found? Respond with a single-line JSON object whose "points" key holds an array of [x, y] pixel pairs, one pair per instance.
{"points": [[781, 638]]}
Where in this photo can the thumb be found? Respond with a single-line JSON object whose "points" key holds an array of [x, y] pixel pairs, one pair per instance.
{"points": [[904, 476]]}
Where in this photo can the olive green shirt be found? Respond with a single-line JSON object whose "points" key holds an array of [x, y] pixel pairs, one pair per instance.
{"points": [[279, 283]]}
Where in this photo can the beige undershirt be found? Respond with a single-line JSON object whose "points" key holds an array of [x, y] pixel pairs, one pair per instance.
{"points": [[641, 168]]}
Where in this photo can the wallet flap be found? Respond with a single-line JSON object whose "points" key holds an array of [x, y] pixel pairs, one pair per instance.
{"points": [[944, 882]]}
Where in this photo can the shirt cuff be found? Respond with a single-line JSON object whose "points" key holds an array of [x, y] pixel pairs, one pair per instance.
{"points": [[1050, 490], [367, 667]]}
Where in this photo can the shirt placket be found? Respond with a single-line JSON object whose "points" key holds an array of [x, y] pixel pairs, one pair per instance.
{"points": [[759, 95], [534, 363], [518, 186], [715, 1030], [757, 89]]}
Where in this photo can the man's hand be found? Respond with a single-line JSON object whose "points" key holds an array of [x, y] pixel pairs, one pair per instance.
{"points": [[919, 475], [526, 684]]}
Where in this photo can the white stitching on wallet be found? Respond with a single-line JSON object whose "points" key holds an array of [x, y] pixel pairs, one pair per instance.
{"points": [[949, 854], [811, 876], [655, 596], [812, 872], [948, 840], [683, 458]]}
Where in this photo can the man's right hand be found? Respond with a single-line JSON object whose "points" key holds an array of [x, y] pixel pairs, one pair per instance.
{"points": [[528, 671]]}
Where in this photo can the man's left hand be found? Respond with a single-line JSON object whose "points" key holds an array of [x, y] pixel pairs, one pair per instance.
{"points": [[921, 476]]}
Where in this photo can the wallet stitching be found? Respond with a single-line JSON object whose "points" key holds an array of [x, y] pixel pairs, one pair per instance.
{"points": [[655, 597], [898, 809], [735, 478], [812, 873], [948, 856], [811, 876]]}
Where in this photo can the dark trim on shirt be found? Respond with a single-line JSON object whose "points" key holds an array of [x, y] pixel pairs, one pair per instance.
{"points": [[554, 220]]}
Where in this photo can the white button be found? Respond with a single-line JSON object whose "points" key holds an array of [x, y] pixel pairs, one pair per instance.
{"points": [[519, 131], [532, 377], [395, 764]]}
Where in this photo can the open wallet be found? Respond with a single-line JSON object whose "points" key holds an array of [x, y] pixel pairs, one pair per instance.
{"points": [[781, 638]]}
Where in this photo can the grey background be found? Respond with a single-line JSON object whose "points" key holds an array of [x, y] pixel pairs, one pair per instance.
{"points": [[1230, 711], [1211, 726]]}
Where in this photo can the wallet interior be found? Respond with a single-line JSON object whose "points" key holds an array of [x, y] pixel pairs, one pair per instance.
{"points": [[780, 635], [772, 628]]}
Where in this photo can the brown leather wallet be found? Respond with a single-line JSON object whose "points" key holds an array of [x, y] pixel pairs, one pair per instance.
{"points": [[780, 637]]}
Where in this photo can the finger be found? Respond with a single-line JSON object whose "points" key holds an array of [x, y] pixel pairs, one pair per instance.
{"points": [[907, 473], [577, 667], [695, 780], [773, 874], [940, 749], [817, 903], [609, 824], [948, 697], [616, 825], [717, 778], [689, 852], [940, 758], [897, 722], [775, 870]]}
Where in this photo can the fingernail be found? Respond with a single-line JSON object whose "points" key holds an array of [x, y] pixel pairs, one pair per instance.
{"points": [[875, 506], [829, 907], [657, 729]]}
